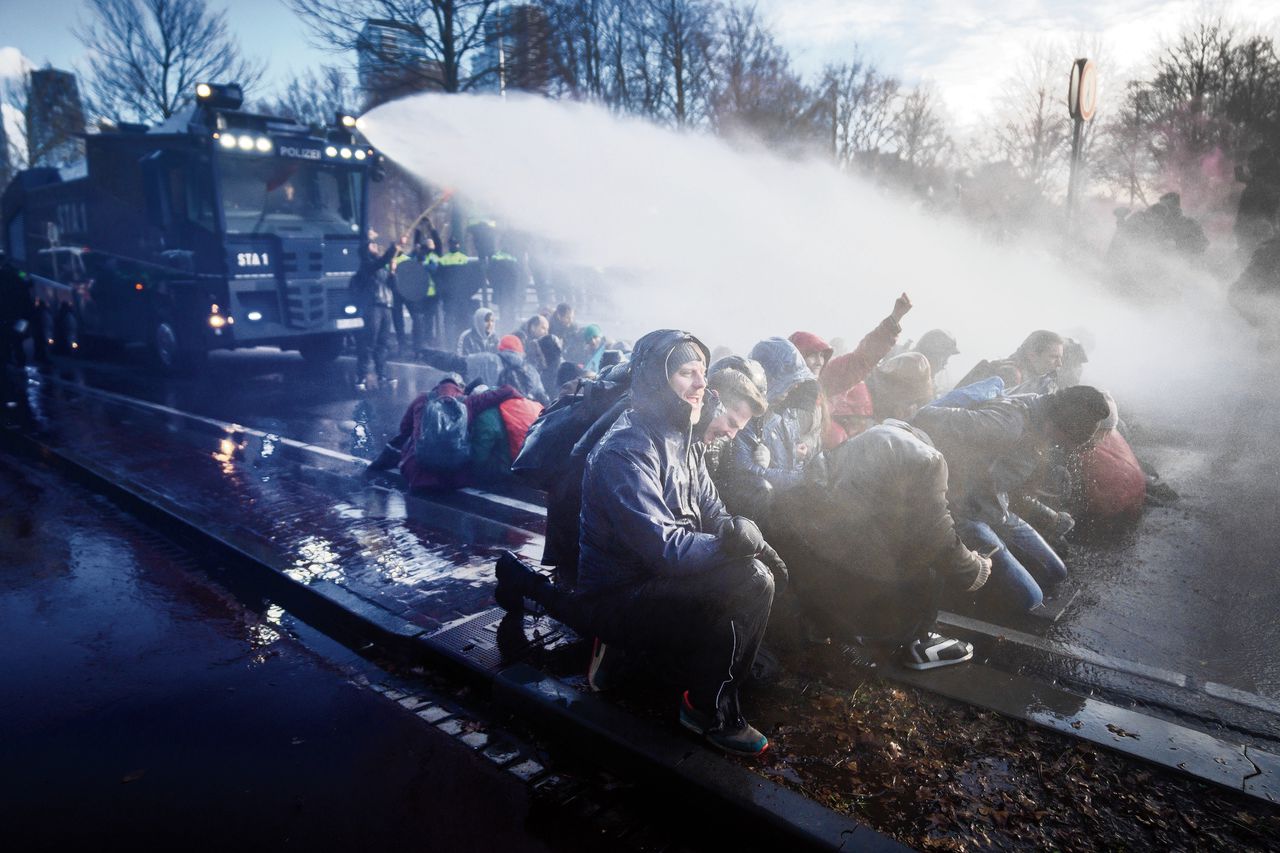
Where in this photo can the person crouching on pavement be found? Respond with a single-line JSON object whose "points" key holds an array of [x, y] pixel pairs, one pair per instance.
{"points": [[665, 572], [870, 540], [996, 449]]}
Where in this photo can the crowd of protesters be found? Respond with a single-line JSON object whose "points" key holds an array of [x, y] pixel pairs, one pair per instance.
{"points": [[699, 507]]}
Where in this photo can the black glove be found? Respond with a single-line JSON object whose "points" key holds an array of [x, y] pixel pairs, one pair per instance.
{"points": [[741, 537], [781, 576]]}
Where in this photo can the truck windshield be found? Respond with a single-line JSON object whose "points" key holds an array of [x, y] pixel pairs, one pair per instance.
{"points": [[270, 196]]}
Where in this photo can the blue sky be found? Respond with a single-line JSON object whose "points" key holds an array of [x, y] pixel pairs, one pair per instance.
{"points": [[965, 48]]}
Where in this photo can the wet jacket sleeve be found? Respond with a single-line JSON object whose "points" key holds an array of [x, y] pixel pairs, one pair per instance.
{"points": [[478, 404], [935, 528], [629, 497], [714, 515], [746, 486], [993, 429], [1034, 512], [845, 371], [441, 360]]}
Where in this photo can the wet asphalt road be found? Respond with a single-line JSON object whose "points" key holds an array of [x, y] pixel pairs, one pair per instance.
{"points": [[1190, 591], [146, 706]]}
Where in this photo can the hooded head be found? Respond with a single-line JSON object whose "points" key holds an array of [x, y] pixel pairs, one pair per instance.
{"points": [[590, 333], [482, 322], [511, 343], [655, 365], [1074, 414], [937, 345], [815, 350], [791, 382], [900, 385]]}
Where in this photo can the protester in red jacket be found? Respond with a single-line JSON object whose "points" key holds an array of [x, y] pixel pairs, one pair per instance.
{"points": [[836, 376]]}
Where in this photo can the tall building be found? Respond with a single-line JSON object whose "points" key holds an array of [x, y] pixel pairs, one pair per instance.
{"points": [[392, 61], [55, 119], [517, 50]]}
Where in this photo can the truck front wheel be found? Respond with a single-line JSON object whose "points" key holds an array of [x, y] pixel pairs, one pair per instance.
{"points": [[169, 354]]}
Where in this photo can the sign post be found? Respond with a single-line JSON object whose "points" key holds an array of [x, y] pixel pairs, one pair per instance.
{"points": [[1082, 102]]}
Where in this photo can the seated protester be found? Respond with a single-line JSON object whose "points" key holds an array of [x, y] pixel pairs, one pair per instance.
{"points": [[837, 375], [420, 466], [551, 351], [1031, 369], [530, 333], [665, 571], [1074, 358], [871, 543], [899, 386], [937, 345], [740, 400], [497, 433], [1108, 483], [770, 454], [567, 378], [995, 450], [851, 415], [480, 337], [593, 348], [507, 366]]}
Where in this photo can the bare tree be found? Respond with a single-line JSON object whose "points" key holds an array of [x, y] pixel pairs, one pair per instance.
{"points": [[1123, 157], [920, 129], [863, 105], [452, 32], [580, 53], [316, 97], [755, 90], [146, 56], [1034, 131], [684, 34]]}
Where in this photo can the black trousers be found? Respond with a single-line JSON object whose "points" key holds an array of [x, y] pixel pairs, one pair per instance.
{"points": [[374, 341], [703, 628]]}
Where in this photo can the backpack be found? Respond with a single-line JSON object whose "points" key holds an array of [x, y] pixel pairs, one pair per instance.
{"points": [[557, 443], [442, 444]]}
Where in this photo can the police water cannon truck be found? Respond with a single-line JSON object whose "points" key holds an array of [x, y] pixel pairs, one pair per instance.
{"points": [[217, 229]]}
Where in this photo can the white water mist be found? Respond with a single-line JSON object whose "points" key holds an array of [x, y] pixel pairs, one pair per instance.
{"points": [[736, 246]]}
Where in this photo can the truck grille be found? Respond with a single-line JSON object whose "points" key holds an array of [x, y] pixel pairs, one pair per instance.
{"points": [[304, 303]]}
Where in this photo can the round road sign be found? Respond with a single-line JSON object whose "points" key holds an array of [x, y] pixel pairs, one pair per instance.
{"points": [[1082, 91]]}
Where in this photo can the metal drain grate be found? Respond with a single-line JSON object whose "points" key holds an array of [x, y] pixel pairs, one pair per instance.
{"points": [[485, 641]]}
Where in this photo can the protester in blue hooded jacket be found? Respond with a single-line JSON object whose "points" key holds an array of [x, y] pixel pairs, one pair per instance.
{"points": [[667, 570], [664, 570]]}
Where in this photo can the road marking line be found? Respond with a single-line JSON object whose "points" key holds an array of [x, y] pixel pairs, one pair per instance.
{"points": [[227, 426], [1070, 650], [514, 503]]}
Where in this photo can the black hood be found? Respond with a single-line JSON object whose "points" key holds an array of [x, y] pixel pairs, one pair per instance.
{"points": [[651, 392]]}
